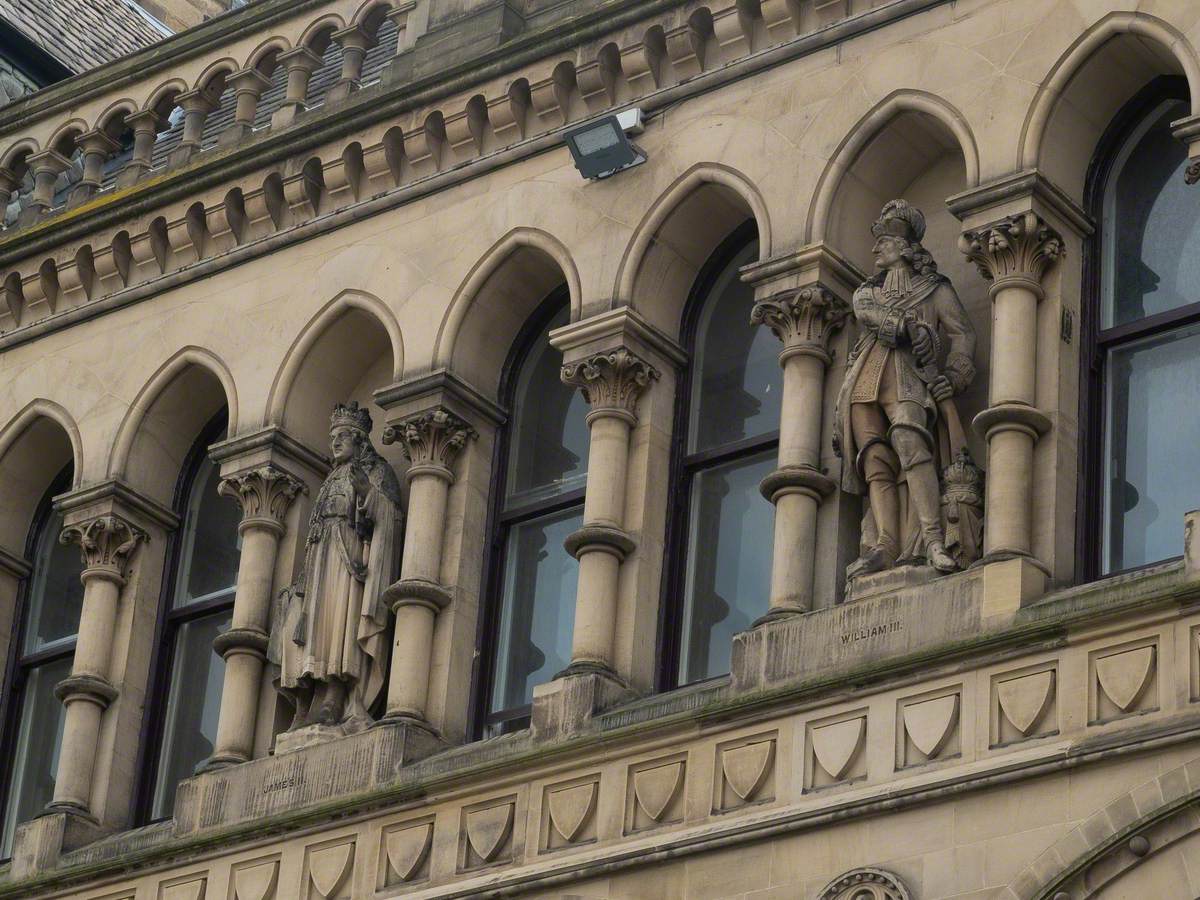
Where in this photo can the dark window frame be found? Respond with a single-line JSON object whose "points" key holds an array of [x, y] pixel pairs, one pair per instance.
{"points": [[16, 672], [168, 622], [499, 524], [1096, 342], [685, 466]]}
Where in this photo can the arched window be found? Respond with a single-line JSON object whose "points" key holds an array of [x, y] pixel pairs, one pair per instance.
{"points": [[1142, 352], [48, 621], [198, 606], [727, 432], [542, 468]]}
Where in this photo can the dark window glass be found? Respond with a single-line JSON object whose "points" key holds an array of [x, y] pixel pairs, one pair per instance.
{"points": [[1145, 360], [47, 624], [724, 528], [546, 447], [727, 583], [199, 609], [737, 366], [1153, 246]]}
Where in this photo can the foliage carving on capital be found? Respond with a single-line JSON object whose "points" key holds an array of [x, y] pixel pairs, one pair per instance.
{"points": [[433, 437], [805, 317], [107, 542], [264, 493], [1191, 174], [1021, 246], [612, 380]]}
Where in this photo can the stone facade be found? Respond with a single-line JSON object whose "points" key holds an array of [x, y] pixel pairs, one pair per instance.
{"points": [[1017, 728]]}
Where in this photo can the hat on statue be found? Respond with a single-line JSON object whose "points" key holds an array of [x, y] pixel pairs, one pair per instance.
{"points": [[899, 219]]}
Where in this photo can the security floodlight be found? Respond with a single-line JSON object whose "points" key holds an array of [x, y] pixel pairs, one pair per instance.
{"points": [[601, 147]]}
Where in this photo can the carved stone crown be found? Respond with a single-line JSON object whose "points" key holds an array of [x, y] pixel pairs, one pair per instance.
{"points": [[351, 415]]}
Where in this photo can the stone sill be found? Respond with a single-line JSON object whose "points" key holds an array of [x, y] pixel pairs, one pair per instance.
{"points": [[373, 777]]}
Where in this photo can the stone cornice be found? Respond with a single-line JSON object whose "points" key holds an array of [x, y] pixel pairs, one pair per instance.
{"points": [[266, 442], [438, 388], [612, 329], [1076, 614], [389, 100], [997, 198], [208, 36], [114, 495]]}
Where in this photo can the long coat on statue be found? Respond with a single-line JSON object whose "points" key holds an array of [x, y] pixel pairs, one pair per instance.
{"points": [[335, 622]]}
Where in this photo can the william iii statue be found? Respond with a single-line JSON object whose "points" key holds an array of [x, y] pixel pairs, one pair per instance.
{"points": [[330, 639], [897, 428]]}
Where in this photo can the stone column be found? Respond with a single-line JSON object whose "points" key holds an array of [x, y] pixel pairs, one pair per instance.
{"points": [[355, 42], [265, 495], [1013, 254], [10, 183], [196, 106], [398, 15], [611, 383], [46, 166], [107, 542], [300, 64], [146, 125], [248, 86], [804, 319], [97, 147], [431, 441]]}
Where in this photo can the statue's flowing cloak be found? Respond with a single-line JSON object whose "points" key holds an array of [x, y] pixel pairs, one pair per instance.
{"points": [[335, 621]]}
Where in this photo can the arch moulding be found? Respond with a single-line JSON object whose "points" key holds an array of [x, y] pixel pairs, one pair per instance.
{"points": [[869, 127], [47, 409], [477, 278], [1113, 25], [188, 356], [691, 180], [281, 387]]}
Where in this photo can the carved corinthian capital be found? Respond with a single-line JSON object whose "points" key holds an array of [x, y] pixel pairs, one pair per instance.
{"points": [[1019, 248], [107, 542], [431, 438], [611, 381], [265, 493], [804, 319]]}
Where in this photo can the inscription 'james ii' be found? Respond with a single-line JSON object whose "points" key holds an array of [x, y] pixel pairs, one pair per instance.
{"points": [[869, 631]]}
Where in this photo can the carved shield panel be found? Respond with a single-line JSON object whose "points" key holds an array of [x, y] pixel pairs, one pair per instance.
{"points": [[930, 723], [747, 767], [1025, 700], [488, 829], [256, 882], [329, 868], [570, 808], [407, 849], [655, 788], [835, 745], [1125, 676]]}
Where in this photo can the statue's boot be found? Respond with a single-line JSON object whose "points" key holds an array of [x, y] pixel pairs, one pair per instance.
{"points": [[333, 706], [925, 495], [301, 698], [885, 510]]}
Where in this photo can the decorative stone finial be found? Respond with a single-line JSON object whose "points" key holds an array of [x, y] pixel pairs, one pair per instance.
{"points": [[108, 542], [1017, 247], [805, 318], [433, 437], [264, 493], [611, 381]]}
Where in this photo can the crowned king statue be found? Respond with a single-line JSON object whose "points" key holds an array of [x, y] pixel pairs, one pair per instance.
{"points": [[330, 636], [897, 428]]}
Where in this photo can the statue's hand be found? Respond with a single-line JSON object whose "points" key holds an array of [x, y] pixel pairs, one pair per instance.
{"points": [[941, 388], [922, 344]]}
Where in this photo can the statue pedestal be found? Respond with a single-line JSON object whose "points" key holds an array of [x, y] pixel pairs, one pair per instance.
{"points": [[309, 736], [863, 587]]}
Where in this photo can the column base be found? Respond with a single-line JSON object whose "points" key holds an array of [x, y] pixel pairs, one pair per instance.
{"points": [[222, 761], [582, 691], [863, 587], [778, 614], [1010, 582], [39, 843]]}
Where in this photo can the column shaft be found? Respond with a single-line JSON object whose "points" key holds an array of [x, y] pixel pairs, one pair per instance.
{"points": [[1014, 344], [431, 440]]}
